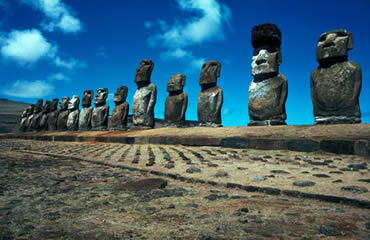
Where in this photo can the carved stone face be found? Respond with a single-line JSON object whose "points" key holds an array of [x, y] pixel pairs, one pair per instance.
{"points": [[176, 83], [64, 104], [46, 107], [120, 95], [265, 60], [54, 104], [38, 106], [210, 72], [87, 98], [334, 44], [30, 109], [144, 71], [73, 103], [101, 96]]}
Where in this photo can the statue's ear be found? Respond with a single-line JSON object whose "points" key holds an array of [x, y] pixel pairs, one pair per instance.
{"points": [[350, 40], [279, 59]]}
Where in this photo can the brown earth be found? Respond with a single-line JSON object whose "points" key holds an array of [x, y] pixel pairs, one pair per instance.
{"points": [[54, 190]]}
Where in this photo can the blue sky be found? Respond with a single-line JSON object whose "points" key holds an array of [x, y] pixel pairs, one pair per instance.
{"points": [[56, 48]]}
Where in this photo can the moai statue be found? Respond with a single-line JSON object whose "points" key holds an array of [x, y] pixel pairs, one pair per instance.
{"points": [[37, 113], [63, 114], [99, 119], [73, 115], [53, 115], [120, 111], [145, 96], [336, 83], [26, 113], [84, 122], [27, 125], [210, 99], [177, 101], [268, 90], [45, 116]]}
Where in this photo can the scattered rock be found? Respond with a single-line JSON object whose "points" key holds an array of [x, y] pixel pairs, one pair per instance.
{"points": [[221, 173], [259, 178], [337, 181], [169, 165], [213, 197], [279, 172], [349, 169], [329, 230], [242, 168], [193, 170], [243, 219], [267, 156], [212, 165], [358, 166], [171, 206], [192, 205], [321, 175], [304, 183], [367, 225], [238, 214], [354, 189], [336, 172], [146, 184], [364, 180], [245, 210]]}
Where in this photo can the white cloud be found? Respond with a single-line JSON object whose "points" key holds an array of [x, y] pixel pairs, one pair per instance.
{"points": [[59, 16], [27, 46], [69, 63], [28, 89], [59, 77], [209, 26]]}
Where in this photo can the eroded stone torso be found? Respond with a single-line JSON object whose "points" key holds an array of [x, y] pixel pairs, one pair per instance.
{"points": [[84, 122], [209, 107]]}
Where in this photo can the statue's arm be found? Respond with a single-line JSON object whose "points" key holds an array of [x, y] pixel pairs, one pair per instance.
{"points": [[220, 100], [125, 112], [153, 99]]}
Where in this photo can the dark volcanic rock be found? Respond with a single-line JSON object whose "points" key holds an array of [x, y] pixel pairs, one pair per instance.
{"points": [[177, 100], [304, 183], [146, 184], [120, 111], [99, 118], [354, 189], [193, 170]]}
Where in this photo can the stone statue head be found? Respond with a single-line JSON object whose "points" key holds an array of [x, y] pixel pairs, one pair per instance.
{"points": [[63, 106], [101, 96], [73, 103], [120, 95], [38, 106], [210, 72], [30, 109], [46, 107], [144, 71], [266, 41], [54, 104], [334, 44], [87, 98], [176, 83]]}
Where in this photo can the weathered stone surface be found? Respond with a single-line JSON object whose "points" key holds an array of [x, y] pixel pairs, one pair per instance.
{"points": [[145, 96], [210, 99], [336, 83], [177, 100], [84, 121], [74, 112], [304, 183], [45, 116], [24, 117], [35, 123], [120, 111], [53, 115], [63, 114], [268, 90], [99, 118]]}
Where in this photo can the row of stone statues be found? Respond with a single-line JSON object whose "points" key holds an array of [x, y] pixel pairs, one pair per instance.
{"points": [[335, 90]]}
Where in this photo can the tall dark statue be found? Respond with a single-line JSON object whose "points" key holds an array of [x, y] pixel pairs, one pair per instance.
{"points": [[84, 122], [53, 115], [26, 113], [63, 114], [268, 90], [99, 119], [177, 100], [336, 83], [120, 111], [145, 96], [74, 112], [210, 99], [45, 116], [37, 113]]}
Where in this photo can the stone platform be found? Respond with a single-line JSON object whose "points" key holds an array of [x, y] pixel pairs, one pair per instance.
{"points": [[339, 139]]}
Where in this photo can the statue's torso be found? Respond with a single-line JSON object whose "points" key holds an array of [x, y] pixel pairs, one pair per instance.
{"points": [[72, 121], [119, 115], [265, 98], [209, 109], [52, 120], [174, 107], [141, 114], [62, 120], [84, 121], [44, 121], [99, 118]]}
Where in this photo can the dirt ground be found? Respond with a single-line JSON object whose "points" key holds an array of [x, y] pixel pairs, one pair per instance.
{"points": [[53, 190]]}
